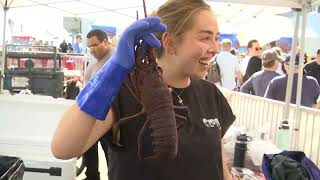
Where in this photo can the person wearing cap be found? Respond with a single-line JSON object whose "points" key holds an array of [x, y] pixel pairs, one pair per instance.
{"points": [[280, 53], [258, 82], [77, 46], [310, 88], [313, 68]]}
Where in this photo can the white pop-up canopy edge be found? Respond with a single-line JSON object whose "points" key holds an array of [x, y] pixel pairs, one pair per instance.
{"points": [[127, 9]]}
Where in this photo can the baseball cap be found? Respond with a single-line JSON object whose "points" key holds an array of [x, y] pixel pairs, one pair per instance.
{"points": [[296, 60], [280, 53]]}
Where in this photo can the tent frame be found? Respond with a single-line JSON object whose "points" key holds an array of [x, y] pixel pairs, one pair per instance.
{"points": [[2, 62]]}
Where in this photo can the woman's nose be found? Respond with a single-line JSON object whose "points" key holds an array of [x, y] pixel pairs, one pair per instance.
{"points": [[214, 47]]}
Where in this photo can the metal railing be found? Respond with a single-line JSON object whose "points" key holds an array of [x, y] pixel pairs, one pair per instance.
{"points": [[259, 114]]}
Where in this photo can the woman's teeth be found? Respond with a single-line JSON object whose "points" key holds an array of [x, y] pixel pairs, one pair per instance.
{"points": [[204, 62]]}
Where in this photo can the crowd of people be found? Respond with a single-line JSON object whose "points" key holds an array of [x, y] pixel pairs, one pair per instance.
{"points": [[265, 73], [76, 47]]}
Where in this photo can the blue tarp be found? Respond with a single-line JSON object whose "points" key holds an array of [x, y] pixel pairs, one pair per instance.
{"points": [[232, 37]]}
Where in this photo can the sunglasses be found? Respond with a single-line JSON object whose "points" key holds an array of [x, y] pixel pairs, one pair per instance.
{"points": [[258, 48]]}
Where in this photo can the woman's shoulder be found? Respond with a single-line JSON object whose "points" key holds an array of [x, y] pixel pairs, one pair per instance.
{"points": [[203, 84], [208, 90]]}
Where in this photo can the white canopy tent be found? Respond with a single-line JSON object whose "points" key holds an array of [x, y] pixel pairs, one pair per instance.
{"points": [[128, 9], [232, 16], [118, 13], [122, 12]]}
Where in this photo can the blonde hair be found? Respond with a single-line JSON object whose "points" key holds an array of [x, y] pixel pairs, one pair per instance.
{"points": [[226, 44], [178, 16]]}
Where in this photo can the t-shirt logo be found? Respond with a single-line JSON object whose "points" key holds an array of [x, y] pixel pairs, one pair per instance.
{"points": [[211, 122]]}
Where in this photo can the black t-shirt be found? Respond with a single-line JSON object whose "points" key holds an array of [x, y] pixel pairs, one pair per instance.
{"points": [[199, 147], [313, 69], [254, 65]]}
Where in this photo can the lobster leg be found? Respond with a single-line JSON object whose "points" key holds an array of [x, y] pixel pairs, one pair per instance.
{"points": [[144, 127], [126, 119], [116, 126]]}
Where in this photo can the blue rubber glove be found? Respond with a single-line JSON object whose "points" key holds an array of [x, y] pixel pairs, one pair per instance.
{"points": [[96, 97]]}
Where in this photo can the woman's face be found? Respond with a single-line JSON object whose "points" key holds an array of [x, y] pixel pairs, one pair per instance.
{"points": [[198, 45]]}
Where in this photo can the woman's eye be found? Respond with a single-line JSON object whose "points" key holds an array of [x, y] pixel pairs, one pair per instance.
{"points": [[206, 38]]}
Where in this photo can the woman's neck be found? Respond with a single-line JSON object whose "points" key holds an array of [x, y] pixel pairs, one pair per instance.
{"points": [[172, 75]]}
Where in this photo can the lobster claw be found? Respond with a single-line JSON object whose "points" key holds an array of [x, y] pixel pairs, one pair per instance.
{"points": [[138, 56]]}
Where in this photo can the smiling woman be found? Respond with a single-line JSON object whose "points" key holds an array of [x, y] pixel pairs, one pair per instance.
{"points": [[190, 42]]}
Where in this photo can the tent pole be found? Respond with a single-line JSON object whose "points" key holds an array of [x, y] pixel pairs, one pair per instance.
{"points": [[137, 15], [285, 115], [5, 9], [291, 64], [300, 76]]}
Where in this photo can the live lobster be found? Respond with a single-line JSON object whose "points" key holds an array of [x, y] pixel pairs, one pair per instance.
{"points": [[147, 86]]}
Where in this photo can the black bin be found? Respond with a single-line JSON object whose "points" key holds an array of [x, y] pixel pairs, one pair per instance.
{"points": [[11, 168]]}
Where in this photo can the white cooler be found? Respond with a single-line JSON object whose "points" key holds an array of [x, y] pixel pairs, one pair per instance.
{"points": [[27, 124]]}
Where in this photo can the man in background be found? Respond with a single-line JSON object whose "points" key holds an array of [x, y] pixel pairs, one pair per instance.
{"points": [[228, 65], [77, 46], [64, 46], [258, 82], [310, 88], [313, 68], [254, 49], [101, 50], [254, 64]]}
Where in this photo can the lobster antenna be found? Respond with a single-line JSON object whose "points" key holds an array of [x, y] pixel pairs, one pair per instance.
{"points": [[145, 8], [137, 15]]}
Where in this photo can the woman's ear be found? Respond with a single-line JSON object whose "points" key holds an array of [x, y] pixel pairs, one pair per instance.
{"points": [[168, 44]]}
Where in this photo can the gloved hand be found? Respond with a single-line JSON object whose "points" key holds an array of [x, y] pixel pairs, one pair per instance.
{"points": [[96, 97]]}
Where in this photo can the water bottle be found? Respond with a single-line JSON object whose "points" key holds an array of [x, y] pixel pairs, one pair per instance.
{"points": [[240, 150], [283, 136]]}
